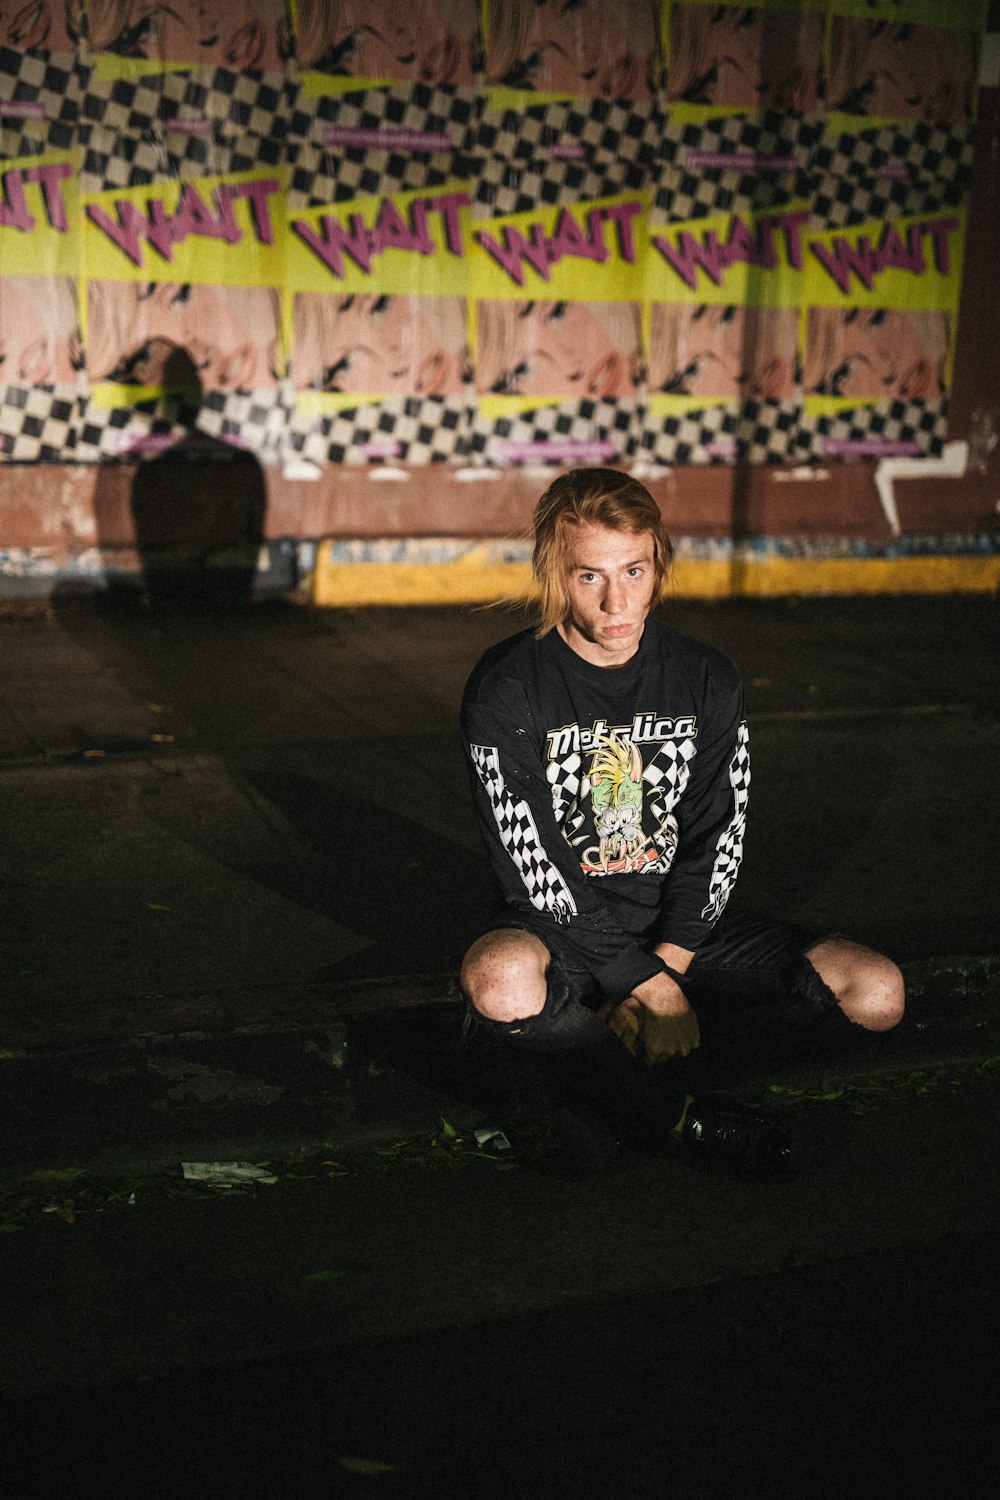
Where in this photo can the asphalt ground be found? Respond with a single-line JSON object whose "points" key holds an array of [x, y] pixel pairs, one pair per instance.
{"points": [[436, 1323], [240, 866]]}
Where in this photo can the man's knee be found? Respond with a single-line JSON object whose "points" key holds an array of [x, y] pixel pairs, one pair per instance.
{"points": [[504, 975], [869, 987]]}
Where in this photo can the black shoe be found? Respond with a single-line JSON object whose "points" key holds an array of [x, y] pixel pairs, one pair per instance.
{"points": [[743, 1140]]}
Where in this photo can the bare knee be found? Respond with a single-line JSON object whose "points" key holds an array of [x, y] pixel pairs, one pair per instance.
{"points": [[504, 975], [869, 987]]}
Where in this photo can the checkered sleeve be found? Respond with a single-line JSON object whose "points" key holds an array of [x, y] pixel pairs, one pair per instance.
{"points": [[712, 824], [537, 870]]}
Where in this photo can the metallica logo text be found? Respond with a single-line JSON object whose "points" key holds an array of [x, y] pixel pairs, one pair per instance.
{"points": [[571, 739]]}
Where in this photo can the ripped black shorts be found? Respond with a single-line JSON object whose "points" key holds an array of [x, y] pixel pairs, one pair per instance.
{"points": [[747, 958]]}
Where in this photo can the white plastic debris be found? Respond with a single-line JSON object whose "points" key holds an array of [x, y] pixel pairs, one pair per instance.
{"points": [[225, 1172], [492, 1136]]}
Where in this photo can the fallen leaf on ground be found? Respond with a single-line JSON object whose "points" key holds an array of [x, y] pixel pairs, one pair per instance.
{"points": [[367, 1466]]}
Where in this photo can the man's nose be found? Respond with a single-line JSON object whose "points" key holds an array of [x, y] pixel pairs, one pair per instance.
{"points": [[614, 597]]}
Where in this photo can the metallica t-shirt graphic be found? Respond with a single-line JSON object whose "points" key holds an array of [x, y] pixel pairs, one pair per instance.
{"points": [[614, 810]]}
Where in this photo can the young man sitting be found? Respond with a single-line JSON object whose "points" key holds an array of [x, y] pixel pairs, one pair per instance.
{"points": [[611, 774]]}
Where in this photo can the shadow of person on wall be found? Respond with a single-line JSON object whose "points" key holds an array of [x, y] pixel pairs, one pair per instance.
{"points": [[197, 506]]}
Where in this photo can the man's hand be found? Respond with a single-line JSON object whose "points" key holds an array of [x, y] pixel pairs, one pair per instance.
{"points": [[625, 1021], [656, 1021], [669, 1036]]}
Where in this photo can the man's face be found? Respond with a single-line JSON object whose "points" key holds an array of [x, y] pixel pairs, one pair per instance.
{"points": [[609, 581]]}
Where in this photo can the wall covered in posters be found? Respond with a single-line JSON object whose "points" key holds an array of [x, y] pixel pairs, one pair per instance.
{"points": [[521, 231]]}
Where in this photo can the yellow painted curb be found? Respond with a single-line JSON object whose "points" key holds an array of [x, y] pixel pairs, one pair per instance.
{"points": [[772, 577], [473, 579], [469, 579]]}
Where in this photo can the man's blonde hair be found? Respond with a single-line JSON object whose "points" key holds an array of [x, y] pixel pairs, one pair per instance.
{"points": [[591, 497]]}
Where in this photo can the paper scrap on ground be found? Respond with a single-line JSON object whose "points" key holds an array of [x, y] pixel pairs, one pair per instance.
{"points": [[492, 1137], [225, 1171]]}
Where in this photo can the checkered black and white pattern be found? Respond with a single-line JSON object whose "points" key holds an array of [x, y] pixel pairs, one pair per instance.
{"points": [[920, 423], [584, 423], [158, 154], [104, 434], [246, 103], [901, 169], [411, 430], [320, 172], [412, 107], [124, 107], [695, 437], [132, 159], [546, 888], [243, 104], [689, 188], [50, 81], [39, 424], [505, 187], [754, 432], [337, 174], [570, 787], [706, 436], [566, 784], [518, 162], [256, 422], [666, 776], [768, 432], [729, 851]]}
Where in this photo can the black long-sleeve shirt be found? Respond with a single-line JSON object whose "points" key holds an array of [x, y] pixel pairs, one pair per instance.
{"points": [[613, 800]]}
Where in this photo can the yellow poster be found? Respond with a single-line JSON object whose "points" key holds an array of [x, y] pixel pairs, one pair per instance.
{"points": [[184, 266], [378, 290], [724, 294], [39, 248], [557, 305], [881, 303]]}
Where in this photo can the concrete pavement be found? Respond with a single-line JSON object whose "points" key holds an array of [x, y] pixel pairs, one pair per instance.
{"points": [[239, 860]]}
